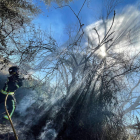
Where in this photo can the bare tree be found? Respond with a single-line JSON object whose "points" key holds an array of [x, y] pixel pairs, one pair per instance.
{"points": [[14, 15], [92, 82]]}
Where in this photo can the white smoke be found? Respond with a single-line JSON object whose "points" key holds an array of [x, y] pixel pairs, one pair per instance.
{"points": [[126, 36], [48, 133], [25, 103]]}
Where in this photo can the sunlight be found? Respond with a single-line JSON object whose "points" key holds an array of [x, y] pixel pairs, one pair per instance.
{"points": [[102, 51]]}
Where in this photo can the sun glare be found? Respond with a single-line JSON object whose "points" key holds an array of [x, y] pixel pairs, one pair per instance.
{"points": [[103, 51]]}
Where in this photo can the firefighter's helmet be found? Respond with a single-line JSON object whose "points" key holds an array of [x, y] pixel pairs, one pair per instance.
{"points": [[13, 70]]}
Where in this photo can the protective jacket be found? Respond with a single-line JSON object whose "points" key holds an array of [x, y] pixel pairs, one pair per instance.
{"points": [[12, 84]]}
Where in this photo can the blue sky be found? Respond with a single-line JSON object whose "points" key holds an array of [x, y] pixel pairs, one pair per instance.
{"points": [[58, 19], [55, 21]]}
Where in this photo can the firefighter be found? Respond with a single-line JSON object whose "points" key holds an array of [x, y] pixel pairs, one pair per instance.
{"points": [[12, 84]]}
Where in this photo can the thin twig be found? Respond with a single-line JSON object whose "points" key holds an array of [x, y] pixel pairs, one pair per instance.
{"points": [[77, 15], [97, 34], [81, 7], [103, 41], [109, 29]]}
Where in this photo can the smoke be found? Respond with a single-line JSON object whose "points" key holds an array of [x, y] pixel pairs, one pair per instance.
{"points": [[126, 39], [26, 102], [48, 133], [125, 32]]}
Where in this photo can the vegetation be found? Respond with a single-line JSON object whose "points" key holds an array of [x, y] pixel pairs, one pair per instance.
{"points": [[89, 79]]}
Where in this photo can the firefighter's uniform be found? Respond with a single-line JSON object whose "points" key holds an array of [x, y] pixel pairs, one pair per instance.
{"points": [[12, 84]]}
